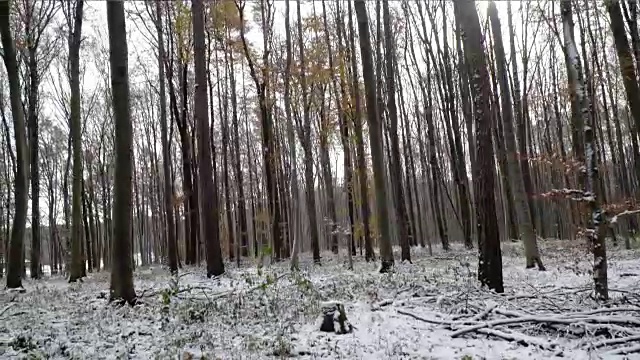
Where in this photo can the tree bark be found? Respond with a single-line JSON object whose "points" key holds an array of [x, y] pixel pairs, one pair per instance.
{"points": [[15, 268], [166, 156], [122, 271], [490, 257], [209, 223], [596, 223], [525, 221], [375, 138]]}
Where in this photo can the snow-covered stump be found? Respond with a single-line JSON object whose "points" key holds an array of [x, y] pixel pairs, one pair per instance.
{"points": [[334, 318]]}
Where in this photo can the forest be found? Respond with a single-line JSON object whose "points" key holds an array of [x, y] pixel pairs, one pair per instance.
{"points": [[319, 179]]}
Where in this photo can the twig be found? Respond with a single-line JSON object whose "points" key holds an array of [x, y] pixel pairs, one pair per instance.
{"points": [[614, 219], [605, 310], [520, 338], [483, 314], [382, 304], [609, 342], [430, 321], [510, 322], [180, 291], [547, 320], [7, 308], [624, 350]]}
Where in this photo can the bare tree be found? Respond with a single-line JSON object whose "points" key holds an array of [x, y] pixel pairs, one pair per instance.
{"points": [[490, 257], [16, 246], [210, 229], [375, 137], [525, 221], [166, 159], [35, 17], [74, 24], [122, 272], [596, 223]]}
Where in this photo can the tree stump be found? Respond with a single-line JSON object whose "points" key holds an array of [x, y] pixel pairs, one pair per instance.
{"points": [[334, 318]]}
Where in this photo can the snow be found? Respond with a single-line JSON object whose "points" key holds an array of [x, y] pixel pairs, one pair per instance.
{"points": [[431, 309]]}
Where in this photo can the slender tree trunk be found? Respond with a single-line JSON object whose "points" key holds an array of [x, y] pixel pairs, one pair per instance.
{"points": [[344, 124], [375, 138], [166, 156], [523, 215], [360, 150], [295, 212], [32, 111], [16, 265], [404, 225], [75, 37], [596, 223]]}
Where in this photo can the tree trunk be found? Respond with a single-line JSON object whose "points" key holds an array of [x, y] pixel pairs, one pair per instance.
{"points": [[210, 227], [627, 70], [122, 271], [525, 221], [402, 216], [490, 257], [596, 224], [15, 268], [75, 37], [360, 150], [166, 156], [375, 138], [32, 111]]}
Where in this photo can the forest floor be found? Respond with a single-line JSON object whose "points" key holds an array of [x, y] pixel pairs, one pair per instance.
{"points": [[431, 309]]}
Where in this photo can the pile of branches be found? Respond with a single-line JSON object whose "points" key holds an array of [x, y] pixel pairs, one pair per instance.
{"points": [[539, 319]]}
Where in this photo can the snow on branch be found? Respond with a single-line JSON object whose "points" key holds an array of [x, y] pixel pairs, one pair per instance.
{"points": [[614, 219], [571, 194], [538, 317]]}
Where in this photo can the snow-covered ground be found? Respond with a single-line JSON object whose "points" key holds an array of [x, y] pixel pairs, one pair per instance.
{"points": [[431, 309]]}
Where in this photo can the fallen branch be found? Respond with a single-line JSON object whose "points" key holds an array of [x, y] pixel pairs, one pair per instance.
{"points": [[510, 322], [381, 304], [218, 295], [548, 320], [430, 321], [615, 341], [624, 350], [7, 308], [521, 339], [483, 314], [509, 336]]}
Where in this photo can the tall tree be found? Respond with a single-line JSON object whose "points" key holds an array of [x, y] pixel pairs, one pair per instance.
{"points": [[295, 212], [361, 163], [484, 174], [35, 16], [15, 269], [307, 145], [396, 166], [209, 223], [122, 271], [242, 211], [166, 156], [261, 79], [74, 23], [525, 221], [375, 137], [596, 224]]}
